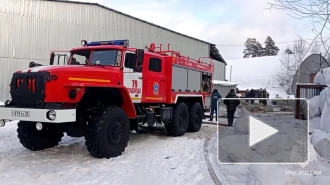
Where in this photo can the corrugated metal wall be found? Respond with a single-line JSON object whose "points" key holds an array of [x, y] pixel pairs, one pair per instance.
{"points": [[30, 29], [219, 71]]}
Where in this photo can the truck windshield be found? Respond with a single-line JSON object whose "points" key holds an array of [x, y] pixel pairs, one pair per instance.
{"points": [[99, 57], [106, 57]]}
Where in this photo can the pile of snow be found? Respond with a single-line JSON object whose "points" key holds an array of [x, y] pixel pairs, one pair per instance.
{"points": [[323, 77], [321, 142], [322, 103], [223, 83], [314, 108], [256, 73], [323, 99]]}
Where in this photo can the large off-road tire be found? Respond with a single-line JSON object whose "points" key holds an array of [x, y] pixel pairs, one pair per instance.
{"points": [[36, 140], [196, 115], [108, 133], [179, 124]]}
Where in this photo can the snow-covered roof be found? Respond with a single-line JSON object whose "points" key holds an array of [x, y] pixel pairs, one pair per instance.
{"points": [[256, 73], [223, 83]]}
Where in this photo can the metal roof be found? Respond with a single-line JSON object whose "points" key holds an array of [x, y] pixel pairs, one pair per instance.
{"points": [[215, 54], [102, 6]]}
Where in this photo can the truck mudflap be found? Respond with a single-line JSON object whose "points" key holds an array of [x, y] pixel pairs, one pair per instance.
{"points": [[37, 115]]}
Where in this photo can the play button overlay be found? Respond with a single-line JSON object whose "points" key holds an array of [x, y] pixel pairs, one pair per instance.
{"points": [[259, 131], [263, 138]]}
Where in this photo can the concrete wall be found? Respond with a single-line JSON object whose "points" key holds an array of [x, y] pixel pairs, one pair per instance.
{"points": [[311, 64], [30, 29]]}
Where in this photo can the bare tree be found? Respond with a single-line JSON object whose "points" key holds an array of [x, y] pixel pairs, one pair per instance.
{"points": [[291, 63], [317, 11], [316, 48]]}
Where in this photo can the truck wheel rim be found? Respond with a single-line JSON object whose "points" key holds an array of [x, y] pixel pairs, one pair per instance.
{"points": [[115, 132]]}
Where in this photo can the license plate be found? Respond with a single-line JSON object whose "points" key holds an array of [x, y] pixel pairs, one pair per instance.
{"points": [[20, 113]]}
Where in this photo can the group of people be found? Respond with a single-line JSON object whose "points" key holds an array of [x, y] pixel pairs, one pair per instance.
{"points": [[231, 105], [250, 94], [231, 101], [261, 93]]}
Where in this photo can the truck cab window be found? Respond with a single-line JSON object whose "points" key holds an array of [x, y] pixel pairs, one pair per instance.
{"points": [[155, 65], [107, 57], [130, 60], [78, 58]]}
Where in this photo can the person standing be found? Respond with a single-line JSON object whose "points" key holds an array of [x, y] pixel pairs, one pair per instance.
{"points": [[214, 104], [252, 95], [247, 95], [264, 95], [231, 106]]}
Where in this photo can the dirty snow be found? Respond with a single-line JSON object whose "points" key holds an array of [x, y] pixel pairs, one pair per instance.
{"points": [[258, 174], [222, 117], [149, 159], [256, 73]]}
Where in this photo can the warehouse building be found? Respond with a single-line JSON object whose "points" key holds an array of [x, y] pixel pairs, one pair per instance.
{"points": [[30, 29]]}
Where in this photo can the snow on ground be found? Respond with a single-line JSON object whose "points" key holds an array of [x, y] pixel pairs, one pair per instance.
{"points": [[256, 73], [259, 174], [222, 117], [149, 159], [319, 149]]}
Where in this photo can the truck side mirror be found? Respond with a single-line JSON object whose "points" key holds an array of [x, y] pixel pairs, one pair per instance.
{"points": [[51, 60], [33, 64], [139, 57]]}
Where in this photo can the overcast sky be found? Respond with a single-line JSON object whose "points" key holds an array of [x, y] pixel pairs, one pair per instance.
{"points": [[222, 22]]}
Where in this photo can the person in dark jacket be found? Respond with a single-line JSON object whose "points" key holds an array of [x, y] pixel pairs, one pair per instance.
{"points": [[252, 95], [265, 95], [214, 104], [247, 95], [231, 106]]}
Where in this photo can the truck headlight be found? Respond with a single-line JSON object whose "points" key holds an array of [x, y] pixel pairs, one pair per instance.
{"points": [[51, 115]]}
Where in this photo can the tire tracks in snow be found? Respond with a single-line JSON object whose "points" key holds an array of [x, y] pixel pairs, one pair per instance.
{"points": [[209, 165]]}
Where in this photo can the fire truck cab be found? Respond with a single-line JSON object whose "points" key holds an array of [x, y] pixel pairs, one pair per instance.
{"points": [[105, 90]]}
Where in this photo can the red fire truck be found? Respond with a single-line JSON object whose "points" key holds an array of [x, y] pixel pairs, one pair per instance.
{"points": [[105, 90]]}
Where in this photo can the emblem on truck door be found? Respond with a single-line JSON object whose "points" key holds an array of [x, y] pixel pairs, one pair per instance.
{"points": [[156, 88], [20, 113]]}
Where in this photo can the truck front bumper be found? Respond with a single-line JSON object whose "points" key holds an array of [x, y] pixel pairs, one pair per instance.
{"points": [[37, 115]]}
